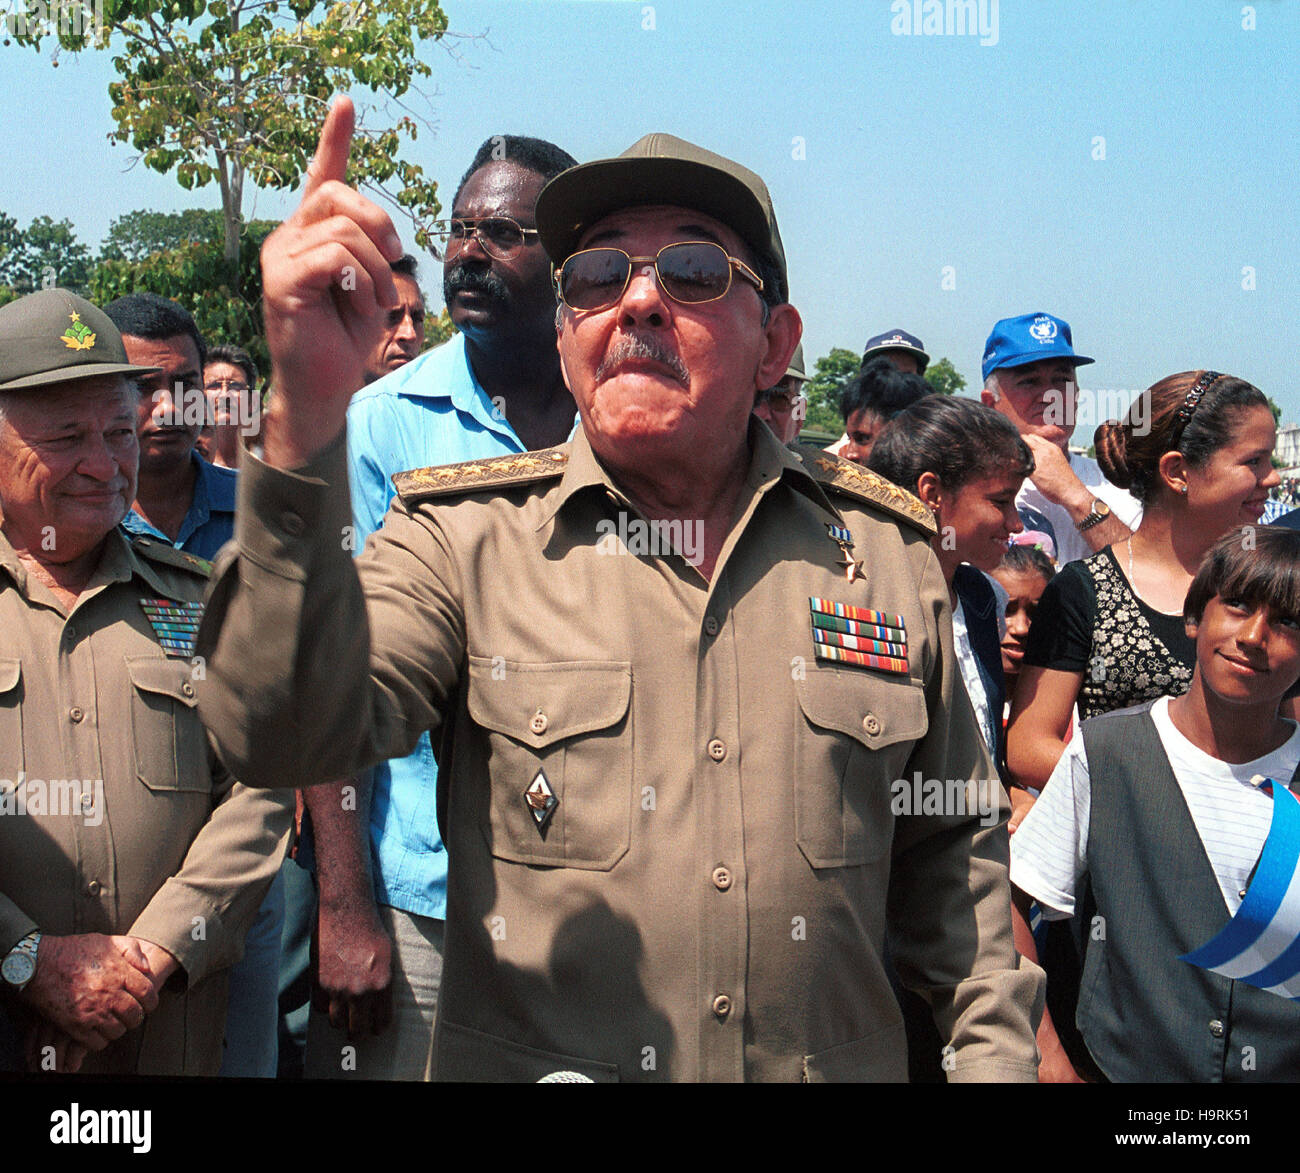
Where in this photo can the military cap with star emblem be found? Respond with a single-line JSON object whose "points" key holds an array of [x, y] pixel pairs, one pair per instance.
{"points": [[54, 336]]}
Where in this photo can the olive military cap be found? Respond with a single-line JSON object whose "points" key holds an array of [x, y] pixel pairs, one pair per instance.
{"points": [[54, 336], [660, 169]]}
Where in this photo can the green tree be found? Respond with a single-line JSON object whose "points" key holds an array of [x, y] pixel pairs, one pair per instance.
{"points": [[822, 390], [230, 91], [944, 378], [44, 254], [138, 234], [225, 308]]}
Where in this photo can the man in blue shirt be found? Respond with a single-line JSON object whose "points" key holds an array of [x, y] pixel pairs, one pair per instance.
{"points": [[495, 388], [186, 502]]}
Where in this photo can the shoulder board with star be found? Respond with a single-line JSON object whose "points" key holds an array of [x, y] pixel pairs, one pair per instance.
{"points": [[476, 476], [864, 485], [157, 551]]}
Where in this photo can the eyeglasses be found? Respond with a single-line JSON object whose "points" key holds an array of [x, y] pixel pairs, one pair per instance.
{"points": [[500, 236], [227, 385], [692, 272]]}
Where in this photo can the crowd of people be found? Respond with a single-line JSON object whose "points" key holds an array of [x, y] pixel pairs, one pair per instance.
{"points": [[386, 769]]}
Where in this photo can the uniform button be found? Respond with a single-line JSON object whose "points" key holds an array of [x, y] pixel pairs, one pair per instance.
{"points": [[94, 887], [722, 1005], [721, 879], [291, 523], [187, 689], [70, 634], [717, 749], [871, 723], [1216, 1028], [711, 625], [76, 714], [539, 723]]}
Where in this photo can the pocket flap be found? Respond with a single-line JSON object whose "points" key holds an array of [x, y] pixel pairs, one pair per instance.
{"points": [[871, 709], [11, 672], [169, 678], [539, 704]]}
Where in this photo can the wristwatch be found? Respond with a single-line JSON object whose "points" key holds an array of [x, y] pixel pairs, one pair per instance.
{"points": [[19, 965], [1100, 511]]}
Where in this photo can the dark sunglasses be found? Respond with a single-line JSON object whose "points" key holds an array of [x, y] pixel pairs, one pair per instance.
{"points": [[692, 273], [500, 236]]}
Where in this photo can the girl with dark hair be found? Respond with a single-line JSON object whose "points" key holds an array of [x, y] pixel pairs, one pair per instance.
{"points": [[1023, 573], [1196, 449], [965, 462], [1153, 822]]}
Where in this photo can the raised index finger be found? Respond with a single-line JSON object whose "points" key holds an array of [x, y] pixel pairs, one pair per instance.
{"points": [[331, 158]]}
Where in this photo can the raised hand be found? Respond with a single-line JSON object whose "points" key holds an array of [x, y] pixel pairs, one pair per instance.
{"points": [[326, 283]]}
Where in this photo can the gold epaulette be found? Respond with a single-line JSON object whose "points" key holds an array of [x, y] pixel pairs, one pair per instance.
{"points": [[157, 551], [474, 476], [865, 485]]}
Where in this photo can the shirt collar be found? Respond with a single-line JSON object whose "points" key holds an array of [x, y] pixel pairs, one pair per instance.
{"points": [[770, 462], [118, 562]]}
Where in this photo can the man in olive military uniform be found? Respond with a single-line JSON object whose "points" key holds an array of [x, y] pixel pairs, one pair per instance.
{"points": [[130, 862], [668, 735]]}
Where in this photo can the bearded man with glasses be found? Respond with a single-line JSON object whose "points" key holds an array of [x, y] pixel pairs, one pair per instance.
{"points": [[670, 742]]}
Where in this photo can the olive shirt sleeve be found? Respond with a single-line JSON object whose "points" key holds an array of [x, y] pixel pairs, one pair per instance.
{"points": [[1060, 636], [15, 924], [949, 895], [295, 691], [202, 914]]}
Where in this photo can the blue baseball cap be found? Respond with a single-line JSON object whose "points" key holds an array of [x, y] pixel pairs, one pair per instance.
{"points": [[1016, 342], [896, 340]]}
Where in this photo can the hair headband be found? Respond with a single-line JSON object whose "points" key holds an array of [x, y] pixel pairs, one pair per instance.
{"points": [[1184, 414]]}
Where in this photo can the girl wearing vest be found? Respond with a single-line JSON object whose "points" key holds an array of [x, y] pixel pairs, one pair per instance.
{"points": [[1196, 449], [1150, 828]]}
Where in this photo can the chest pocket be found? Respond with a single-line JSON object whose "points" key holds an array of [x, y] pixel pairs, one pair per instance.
{"points": [[170, 750], [857, 735], [571, 724], [11, 721]]}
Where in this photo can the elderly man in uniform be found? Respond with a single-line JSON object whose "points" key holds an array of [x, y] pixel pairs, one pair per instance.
{"points": [[131, 864], [669, 740]]}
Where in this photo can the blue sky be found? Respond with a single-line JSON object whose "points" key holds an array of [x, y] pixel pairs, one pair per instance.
{"points": [[898, 163]]}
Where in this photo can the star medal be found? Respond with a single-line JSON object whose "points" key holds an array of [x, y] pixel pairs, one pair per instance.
{"points": [[844, 539]]}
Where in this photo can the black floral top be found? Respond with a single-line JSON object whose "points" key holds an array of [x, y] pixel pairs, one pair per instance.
{"points": [[1090, 621]]}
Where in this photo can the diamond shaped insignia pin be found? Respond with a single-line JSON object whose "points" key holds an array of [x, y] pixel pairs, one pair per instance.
{"points": [[541, 801]]}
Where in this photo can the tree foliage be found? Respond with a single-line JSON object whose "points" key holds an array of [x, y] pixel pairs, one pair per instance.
{"points": [[137, 234], [45, 254], [944, 377], [196, 274], [232, 90], [822, 390]]}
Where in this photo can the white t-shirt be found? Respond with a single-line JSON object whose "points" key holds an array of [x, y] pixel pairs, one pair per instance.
{"points": [[1049, 852], [1071, 545]]}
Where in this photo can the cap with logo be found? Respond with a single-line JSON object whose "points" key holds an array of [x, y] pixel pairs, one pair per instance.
{"points": [[1015, 342], [896, 340], [660, 169], [54, 336]]}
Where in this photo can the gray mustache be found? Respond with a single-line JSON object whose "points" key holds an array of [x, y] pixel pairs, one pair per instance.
{"points": [[646, 347]]}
